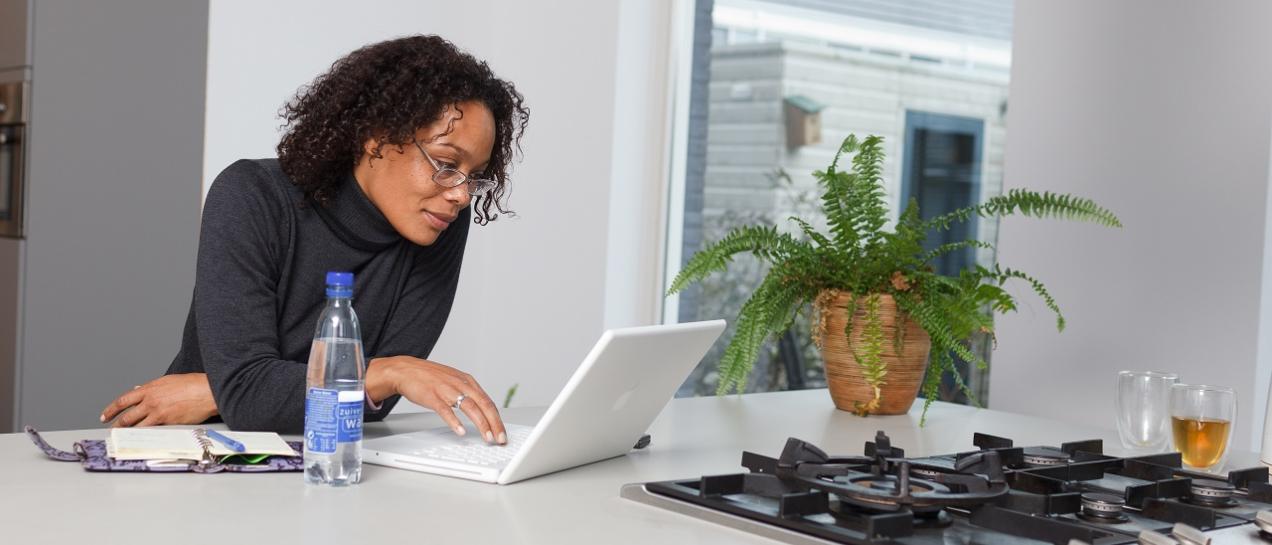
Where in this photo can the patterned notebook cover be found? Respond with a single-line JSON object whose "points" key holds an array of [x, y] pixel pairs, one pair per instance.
{"points": [[91, 453]]}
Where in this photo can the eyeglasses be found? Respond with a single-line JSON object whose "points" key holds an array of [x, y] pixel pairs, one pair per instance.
{"points": [[449, 177]]}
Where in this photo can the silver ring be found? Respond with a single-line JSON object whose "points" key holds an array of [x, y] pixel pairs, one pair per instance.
{"points": [[458, 400]]}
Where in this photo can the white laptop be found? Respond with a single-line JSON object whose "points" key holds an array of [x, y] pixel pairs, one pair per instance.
{"points": [[613, 396]]}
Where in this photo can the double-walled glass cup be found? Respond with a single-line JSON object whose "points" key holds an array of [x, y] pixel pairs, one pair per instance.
{"points": [[1143, 409], [1201, 419]]}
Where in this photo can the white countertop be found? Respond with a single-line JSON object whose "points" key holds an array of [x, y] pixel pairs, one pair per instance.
{"points": [[44, 501]]}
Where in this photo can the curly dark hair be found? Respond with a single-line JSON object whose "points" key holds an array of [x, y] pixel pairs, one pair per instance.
{"points": [[388, 91]]}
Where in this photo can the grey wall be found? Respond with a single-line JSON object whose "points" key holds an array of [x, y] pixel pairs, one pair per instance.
{"points": [[113, 201], [1159, 111]]}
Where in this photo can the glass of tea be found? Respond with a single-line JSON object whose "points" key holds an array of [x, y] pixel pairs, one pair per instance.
{"points": [[1143, 409], [1201, 423]]}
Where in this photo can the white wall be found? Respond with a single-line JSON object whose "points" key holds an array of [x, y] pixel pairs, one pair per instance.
{"points": [[1159, 111], [639, 165], [532, 297]]}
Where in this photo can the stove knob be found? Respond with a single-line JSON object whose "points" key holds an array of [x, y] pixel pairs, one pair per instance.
{"points": [[1149, 537], [1187, 535], [1263, 519]]}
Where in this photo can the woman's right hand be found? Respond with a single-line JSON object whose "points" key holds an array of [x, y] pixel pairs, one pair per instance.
{"points": [[436, 386], [170, 399]]}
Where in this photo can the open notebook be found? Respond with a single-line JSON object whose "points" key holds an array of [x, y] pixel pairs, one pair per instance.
{"points": [[188, 444]]}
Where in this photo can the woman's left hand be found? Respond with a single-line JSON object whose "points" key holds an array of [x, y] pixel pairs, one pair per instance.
{"points": [[170, 399]]}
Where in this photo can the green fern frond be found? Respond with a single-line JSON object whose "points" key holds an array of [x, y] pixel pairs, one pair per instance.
{"points": [[770, 310], [962, 385], [868, 189], [1041, 290], [812, 233], [739, 356], [835, 195], [954, 247], [835, 206], [854, 203], [998, 298], [939, 329], [1030, 203], [932, 381], [847, 147], [869, 355], [763, 241]]}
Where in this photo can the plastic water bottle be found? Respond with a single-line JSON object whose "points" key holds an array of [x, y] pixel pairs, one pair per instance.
{"points": [[334, 390]]}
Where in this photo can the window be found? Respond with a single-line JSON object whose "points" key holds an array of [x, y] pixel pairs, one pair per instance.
{"points": [[777, 84]]}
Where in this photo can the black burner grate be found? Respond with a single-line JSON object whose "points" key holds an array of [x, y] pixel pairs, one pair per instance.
{"points": [[998, 494]]}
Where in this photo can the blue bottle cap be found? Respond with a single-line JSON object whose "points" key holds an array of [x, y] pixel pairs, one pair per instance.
{"points": [[342, 279]]}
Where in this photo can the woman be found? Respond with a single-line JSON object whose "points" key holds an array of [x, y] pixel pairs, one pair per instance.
{"points": [[382, 158]]}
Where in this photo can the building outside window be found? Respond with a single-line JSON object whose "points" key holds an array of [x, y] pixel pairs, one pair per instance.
{"points": [[778, 84]]}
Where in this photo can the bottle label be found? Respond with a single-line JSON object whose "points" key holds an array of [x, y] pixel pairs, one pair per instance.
{"points": [[332, 417], [349, 417], [320, 420]]}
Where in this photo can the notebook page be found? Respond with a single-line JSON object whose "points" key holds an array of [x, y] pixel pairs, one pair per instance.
{"points": [[168, 443], [154, 443], [256, 442]]}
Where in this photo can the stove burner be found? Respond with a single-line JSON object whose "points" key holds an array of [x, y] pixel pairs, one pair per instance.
{"points": [[1103, 508], [1044, 457], [881, 491], [1210, 493], [925, 473], [883, 481]]}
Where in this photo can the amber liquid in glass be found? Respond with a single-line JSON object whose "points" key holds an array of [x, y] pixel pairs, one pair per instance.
{"points": [[1200, 441]]}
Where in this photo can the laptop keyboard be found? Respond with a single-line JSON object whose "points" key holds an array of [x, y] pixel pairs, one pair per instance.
{"points": [[480, 453]]}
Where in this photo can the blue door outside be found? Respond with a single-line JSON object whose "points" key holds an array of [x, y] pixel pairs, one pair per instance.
{"points": [[941, 172]]}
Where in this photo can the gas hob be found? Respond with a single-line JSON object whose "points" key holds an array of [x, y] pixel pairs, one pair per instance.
{"points": [[999, 494]]}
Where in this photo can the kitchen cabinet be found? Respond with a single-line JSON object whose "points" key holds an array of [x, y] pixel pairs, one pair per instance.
{"points": [[15, 47]]}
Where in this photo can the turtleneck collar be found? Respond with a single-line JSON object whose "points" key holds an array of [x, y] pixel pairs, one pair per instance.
{"points": [[356, 220]]}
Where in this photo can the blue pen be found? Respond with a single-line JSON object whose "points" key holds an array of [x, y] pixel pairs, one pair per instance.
{"points": [[232, 444]]}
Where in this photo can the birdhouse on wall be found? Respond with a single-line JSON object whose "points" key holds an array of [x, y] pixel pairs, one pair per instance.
{"points": [[803, 121]]}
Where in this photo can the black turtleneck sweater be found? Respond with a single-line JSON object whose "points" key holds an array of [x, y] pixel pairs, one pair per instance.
{"points": [[264, 251]]}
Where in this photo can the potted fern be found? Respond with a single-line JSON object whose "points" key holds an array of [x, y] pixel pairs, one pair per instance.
{"points": [[886, 323]]}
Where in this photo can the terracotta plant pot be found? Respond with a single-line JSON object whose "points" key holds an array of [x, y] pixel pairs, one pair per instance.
{"points": [[848, 386]]}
